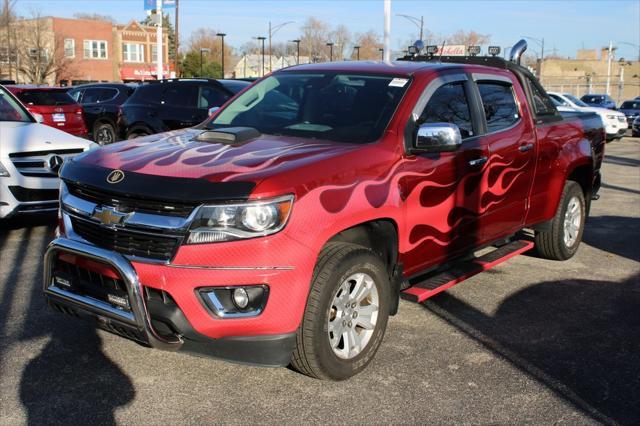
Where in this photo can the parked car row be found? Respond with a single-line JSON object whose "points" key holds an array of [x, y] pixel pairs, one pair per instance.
{"points": [[615, 122], [630, 108], [108, 112]]}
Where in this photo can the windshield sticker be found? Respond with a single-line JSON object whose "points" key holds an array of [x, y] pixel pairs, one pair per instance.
{"points": [[398, 82]]}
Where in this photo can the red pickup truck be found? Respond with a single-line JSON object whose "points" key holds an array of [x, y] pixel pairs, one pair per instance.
{"points": [[285, 228]]}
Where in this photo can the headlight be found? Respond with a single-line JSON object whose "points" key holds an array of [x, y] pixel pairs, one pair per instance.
{"points": [[3, 171], [611, 117], [228, 222]]}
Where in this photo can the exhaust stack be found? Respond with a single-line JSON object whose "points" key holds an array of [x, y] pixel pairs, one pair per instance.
{"points": [[517, 50]]}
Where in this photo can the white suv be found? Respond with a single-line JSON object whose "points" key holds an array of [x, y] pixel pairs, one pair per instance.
{"points": [[30, 156], [615, 123]]}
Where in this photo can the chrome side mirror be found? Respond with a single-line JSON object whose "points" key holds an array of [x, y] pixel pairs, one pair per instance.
{"points": [[39, 118], [437, 137], [213, 110]]}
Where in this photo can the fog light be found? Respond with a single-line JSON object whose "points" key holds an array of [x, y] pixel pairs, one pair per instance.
{"points": [[240, 298], [235, 302]]}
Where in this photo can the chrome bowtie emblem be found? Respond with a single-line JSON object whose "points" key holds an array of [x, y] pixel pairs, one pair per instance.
{"points": [[115, 176], [55, 162], [109, 216]]}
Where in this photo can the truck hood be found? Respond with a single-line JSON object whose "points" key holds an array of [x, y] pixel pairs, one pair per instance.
{"points": [[177, 154], [29, 137]]}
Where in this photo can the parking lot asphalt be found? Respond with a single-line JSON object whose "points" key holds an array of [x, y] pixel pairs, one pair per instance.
{"points": [[532, 341]]}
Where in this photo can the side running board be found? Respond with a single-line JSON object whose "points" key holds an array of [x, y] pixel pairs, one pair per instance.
{"points": [[463, 270]]}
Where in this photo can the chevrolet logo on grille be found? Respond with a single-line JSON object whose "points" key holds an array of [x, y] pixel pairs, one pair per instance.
{"points": [[109, 216]]}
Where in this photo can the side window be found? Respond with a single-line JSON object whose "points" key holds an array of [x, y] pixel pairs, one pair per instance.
{"points": [[449, 104], [541, 102], [500, 108], [76, 94], [180, 95], [107, 95], [211, 97], [91, 96]]}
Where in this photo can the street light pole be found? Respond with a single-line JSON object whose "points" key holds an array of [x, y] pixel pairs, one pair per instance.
{"points": [[221, 35], [297, 42], [262, 39], [357, 49], [381, 50], [330, 44], [272, 32], [203, 50], [415, 21], [159, 40]]}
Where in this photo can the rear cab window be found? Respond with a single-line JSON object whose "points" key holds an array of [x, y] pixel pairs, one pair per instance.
{"points": [[499, 104]]}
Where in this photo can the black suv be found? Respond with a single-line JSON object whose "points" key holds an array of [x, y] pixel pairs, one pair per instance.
{"points": [[101, 103], [173, 104]]}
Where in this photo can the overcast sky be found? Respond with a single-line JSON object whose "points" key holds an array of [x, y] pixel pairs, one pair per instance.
{"points": [[565, 25]]}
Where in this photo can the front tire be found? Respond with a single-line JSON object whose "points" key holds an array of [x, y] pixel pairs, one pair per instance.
{"points": [[562, 240], [346, 313]]}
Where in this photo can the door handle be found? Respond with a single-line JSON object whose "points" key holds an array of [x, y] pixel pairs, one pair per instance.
{"points": [[478, 161], [525, 148]]}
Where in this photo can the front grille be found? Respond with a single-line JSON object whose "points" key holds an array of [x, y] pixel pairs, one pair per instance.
{"points": [[35, 163], [126, 241], [126, 204], [29, 195]]}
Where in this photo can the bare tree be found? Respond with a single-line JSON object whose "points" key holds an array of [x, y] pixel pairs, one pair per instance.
{"points": [[40, 52], [315, 35], [370, 45], [470, 38], [206, 38], [7, 42], [341, 37]]}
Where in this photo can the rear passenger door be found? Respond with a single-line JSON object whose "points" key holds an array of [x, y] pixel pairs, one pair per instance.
{"points": [[178, 108], [512, 146]]}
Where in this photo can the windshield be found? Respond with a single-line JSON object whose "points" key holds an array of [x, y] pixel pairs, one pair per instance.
{"points": [[45, 98], [334, 106], [10, 110], [630, 105], [575, 100]]}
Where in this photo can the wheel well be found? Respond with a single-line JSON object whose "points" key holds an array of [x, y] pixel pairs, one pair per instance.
{"points": [[583, 175], [381, 236], [104, 121], [137, 127]]}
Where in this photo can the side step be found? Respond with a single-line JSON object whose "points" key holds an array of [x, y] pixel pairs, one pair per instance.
{"points": [[463, 270]]}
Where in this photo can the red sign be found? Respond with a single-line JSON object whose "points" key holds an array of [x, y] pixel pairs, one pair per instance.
{"points": [[142, 72]]}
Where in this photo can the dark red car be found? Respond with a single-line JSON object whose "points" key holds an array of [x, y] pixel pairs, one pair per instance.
{"points": [[55, 106]]}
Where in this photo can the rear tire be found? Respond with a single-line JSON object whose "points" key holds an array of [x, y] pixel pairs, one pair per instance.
{"points": [[104, 134], [562, 240], [138, 133], [348, 302]]}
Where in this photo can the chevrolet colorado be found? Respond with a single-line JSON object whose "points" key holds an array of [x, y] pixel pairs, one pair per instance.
{"points": [[285, 228]]}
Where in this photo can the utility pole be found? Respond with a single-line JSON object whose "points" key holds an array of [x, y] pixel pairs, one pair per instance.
{"points": [[221, 35], [297, 42], [176, 42], [609, 57], [160, 55], [357, 49], [386, 54]]}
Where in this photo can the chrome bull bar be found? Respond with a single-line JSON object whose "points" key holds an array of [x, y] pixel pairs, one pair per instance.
{"points": [[138, 317]]}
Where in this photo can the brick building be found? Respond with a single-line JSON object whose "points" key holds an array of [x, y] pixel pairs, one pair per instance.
{"points": [[588, 74], [75, 51]]}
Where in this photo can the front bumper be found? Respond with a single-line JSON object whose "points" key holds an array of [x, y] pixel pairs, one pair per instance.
{"points": [[15, 199], [148, 320]]}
